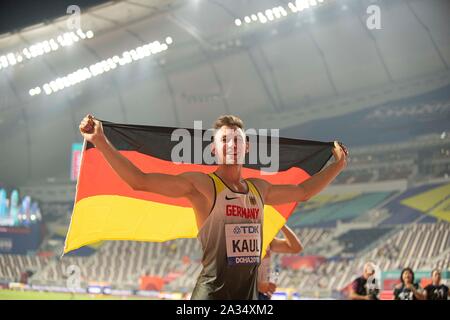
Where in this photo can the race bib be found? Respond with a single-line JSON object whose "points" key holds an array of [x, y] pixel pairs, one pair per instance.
{"points": [[243, 243]]}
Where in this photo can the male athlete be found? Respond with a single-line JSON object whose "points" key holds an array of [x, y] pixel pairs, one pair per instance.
{"points": [[228, 209]]}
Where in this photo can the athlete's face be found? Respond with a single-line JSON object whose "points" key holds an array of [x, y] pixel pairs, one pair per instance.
{"points": [[230, 145]]}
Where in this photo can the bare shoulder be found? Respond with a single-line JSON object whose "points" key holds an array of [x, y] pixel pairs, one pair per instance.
{"points": [[398, 286], [194, 175], [201, 181], [261, 184]]}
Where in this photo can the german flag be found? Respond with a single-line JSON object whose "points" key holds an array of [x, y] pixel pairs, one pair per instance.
{"points": [[106, 208]]}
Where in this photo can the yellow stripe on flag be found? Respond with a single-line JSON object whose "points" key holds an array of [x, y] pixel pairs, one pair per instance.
{"points": [[273, 221], [121, 218]]}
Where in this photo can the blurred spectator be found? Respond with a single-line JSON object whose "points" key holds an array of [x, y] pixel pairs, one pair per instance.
{"points": [[408, 289], [24, 276], [436, 290], [364, 287]]}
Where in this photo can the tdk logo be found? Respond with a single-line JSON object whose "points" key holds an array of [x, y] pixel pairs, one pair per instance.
{"points": [[246, 229]]}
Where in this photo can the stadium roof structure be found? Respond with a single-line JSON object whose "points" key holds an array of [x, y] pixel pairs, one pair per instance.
{"points": [[170, 62]]}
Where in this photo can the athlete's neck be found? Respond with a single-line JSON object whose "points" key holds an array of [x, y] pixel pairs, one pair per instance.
{"points": [[230, 173]]}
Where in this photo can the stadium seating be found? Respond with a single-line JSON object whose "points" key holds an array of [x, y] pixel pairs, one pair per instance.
{"points": [[12, 265], [55, 210], [347, 207], [355, 241], [415, 202]]}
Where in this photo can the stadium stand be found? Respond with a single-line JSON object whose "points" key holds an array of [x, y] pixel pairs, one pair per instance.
{"points": [[343, 208], [415, 202], [13, 265], [356, 240]]}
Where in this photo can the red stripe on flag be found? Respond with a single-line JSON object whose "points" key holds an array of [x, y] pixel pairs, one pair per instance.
{"points": [[98, 178]]}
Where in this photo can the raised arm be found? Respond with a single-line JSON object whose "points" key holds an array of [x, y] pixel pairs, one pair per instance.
{"points": [[290, 244], [285, 193], [168, 185]]}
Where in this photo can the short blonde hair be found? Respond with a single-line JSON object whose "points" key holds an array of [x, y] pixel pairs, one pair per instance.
{"points": [[369, 266], [229, 121]]}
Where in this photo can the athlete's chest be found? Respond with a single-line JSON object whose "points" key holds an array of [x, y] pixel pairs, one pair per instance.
{"points": [[234, 205]]}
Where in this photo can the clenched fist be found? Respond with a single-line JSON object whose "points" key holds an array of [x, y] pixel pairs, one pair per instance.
{"points": [[91, 129]]}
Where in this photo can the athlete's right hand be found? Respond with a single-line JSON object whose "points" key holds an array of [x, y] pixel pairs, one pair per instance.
{"points": [[91, 129]]}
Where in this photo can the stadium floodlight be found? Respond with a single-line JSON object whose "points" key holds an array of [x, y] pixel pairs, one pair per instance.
{"points": [[53, 86], [4, 61], [45, 47], [262, 18], [34, 91], [81, 34], [47, 89], [60, 83], [67, 39], [74, 37], [27, 53], [66, 82], [147, 51], [269, 14], [141, 52], [293, 7], [134, 55], [53, 45], [11, 59], [278, 12], [100, 67]]}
